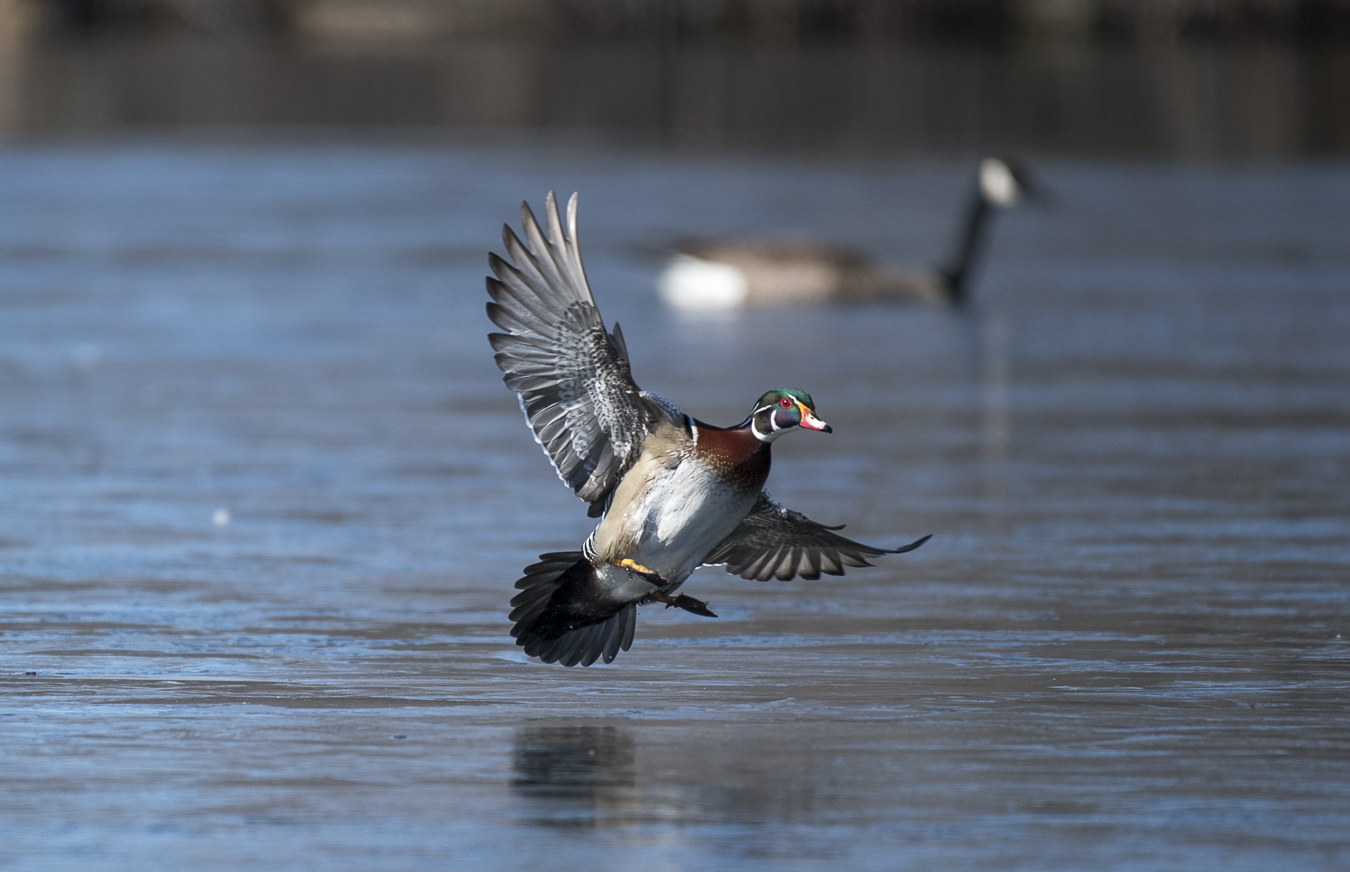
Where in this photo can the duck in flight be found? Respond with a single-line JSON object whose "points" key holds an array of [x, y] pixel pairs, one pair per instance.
{"points": [[730, 273], [672, 493]]}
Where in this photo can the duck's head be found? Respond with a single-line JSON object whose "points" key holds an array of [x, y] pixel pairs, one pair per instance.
{"points": [[1006, 182], [782, 410]]}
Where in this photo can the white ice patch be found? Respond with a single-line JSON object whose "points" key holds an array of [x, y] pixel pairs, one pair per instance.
{"points": [[690, 283]]}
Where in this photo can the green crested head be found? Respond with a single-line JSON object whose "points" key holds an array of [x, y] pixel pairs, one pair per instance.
{"points": [[781, 410]]}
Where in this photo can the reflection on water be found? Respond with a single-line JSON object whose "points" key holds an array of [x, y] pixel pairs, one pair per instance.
{"points": [[996, 413], [620, 774], [572, 775]]}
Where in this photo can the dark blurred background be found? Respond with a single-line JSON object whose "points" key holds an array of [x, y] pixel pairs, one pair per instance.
{"points": [[263, 494], [1208, 78]]}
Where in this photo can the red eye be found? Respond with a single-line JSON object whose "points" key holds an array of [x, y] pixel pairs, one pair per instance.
{"points": [[785, 403]]}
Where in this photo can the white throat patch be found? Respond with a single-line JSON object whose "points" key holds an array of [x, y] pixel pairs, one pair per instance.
{"points": [[773, 433]]}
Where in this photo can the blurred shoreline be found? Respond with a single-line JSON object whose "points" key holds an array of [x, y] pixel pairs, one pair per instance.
{"points": [[874, 22], [1218, 79], [1249, 101]]}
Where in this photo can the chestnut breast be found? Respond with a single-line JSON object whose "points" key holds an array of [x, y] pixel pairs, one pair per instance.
{"points": [[735, 455]]}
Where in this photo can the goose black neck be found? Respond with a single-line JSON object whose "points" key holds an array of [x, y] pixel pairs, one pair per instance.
{"points": [[969, 244]]}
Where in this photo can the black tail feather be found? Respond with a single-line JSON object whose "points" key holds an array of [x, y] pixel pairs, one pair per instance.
{"points": [[561, 617]]}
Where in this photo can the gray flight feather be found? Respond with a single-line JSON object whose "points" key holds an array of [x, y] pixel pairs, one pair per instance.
{"points": [[573, 376], [775, 542]]}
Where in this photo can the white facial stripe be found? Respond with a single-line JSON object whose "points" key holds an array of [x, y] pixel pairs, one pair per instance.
{"points": [[774, 430]]}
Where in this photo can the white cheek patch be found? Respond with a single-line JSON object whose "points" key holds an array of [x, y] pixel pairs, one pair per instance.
{"points": [[997, 183], [694, 284]]}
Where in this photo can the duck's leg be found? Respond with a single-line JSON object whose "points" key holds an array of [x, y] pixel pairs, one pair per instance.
{"points": [[643, 572], [683, 601]]}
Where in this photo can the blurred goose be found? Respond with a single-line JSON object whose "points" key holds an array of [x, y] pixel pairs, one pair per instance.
{"points": [[672, 492], [726, 274]]}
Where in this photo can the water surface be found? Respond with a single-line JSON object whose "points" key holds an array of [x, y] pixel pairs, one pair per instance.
{"points": [[264, 498]]}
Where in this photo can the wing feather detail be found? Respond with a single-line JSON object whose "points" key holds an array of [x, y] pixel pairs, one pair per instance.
{"points": [[776, 542], [572, 375]]}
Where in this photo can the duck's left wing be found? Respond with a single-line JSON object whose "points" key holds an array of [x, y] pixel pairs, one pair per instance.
{"points": [[776, 542], [572, 374]]}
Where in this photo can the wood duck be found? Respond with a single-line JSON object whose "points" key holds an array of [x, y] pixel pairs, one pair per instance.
{"points": [[672, 493], [729, 273]]}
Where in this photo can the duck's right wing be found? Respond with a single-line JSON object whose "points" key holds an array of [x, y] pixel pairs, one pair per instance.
{"points": [[776, 542], [572, 375]]}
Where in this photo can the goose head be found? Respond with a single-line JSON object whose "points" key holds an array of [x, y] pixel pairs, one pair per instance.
{"points": [[1005, 183]]}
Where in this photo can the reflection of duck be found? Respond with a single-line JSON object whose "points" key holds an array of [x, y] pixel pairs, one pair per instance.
{"points": [[570, 775], [675, 493], [726, 274]]}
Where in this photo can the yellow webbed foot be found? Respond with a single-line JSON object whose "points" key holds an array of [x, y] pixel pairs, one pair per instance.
{"points": [[638, 569], [633, 566]]}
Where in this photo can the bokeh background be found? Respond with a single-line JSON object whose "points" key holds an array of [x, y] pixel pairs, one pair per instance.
{"points": [[263, 495], [1205, 78]]}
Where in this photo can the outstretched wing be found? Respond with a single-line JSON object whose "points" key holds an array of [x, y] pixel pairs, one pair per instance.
{"points": [[572, 375], [775, 542]]}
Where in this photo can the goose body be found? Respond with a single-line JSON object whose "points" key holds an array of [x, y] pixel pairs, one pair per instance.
{"points": [[731, 273], [672, 492]]}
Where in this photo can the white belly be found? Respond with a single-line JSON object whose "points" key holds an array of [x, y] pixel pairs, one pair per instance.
{"points": [[672, 524]]}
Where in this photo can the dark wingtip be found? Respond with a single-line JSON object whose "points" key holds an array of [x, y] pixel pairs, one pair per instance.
{"points": [[911, 546], [494, 287]]}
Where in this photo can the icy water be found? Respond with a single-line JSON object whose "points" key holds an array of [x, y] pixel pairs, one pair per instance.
{"points": [[264, 497]]}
